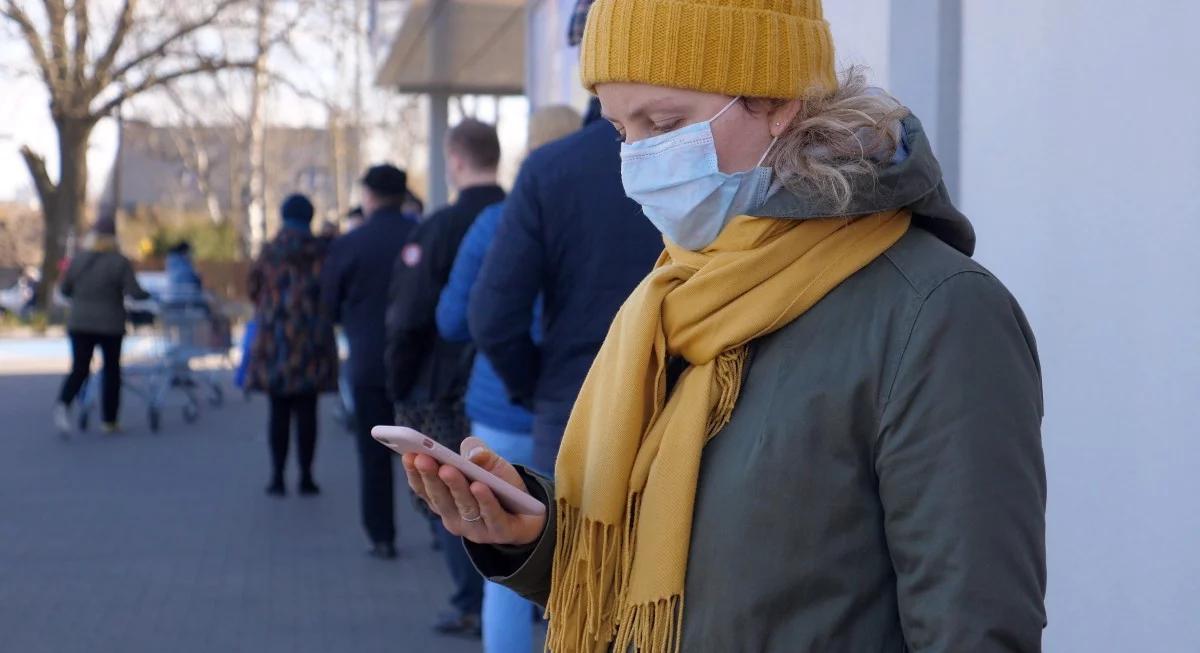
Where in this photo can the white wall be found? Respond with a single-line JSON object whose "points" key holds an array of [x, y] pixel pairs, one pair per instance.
{"points": [[551, 68], [1081, 162]]}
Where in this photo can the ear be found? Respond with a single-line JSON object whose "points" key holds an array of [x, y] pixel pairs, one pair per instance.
{"points": [[782, 115]]}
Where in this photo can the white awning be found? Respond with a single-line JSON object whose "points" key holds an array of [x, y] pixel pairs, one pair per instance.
{"points": [[458, 47]]}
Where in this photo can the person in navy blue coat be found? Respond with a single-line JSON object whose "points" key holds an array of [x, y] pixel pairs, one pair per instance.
{"points": [[354, 288], [569, 235]]}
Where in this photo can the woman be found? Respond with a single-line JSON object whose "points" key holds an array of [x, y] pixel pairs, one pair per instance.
{"points": [[816, 429], [97, 283], [506, 427], [293, 357]]}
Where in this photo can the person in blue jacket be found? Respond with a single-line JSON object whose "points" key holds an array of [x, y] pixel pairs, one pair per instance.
{"points": [[505, 426], [570, 235]]}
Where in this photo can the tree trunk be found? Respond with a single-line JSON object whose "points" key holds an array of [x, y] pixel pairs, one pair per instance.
{"points": [[256, 210], [62, 203]]}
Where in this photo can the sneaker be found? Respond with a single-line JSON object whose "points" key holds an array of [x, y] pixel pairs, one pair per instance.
{"points": [[276, 488], [62, 419], [459, 625], [110, 428]]}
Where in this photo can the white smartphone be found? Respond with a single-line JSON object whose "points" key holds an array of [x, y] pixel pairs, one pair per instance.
{"points": [[405, 440]]}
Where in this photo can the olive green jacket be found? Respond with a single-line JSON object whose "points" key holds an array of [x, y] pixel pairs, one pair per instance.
{"points": [[881, 485]]}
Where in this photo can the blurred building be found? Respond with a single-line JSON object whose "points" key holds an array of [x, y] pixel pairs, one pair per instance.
{"points": [[203, 169]]}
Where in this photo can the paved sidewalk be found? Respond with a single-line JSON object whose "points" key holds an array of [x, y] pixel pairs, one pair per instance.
{"points": [[167, 544]]}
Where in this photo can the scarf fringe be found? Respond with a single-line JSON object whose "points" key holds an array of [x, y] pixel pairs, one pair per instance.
{"points": [[656, 626], [588, 576]]}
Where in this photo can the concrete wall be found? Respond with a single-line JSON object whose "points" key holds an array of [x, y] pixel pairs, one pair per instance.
{"points": [[1081, 154]]}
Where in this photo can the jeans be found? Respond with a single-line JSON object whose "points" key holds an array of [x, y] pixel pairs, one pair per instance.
{"points": [[82, 347], [507, 618], [283, 408]]}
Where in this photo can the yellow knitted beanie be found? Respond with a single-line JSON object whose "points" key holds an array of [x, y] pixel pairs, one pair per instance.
{"points": [[752, 48]]}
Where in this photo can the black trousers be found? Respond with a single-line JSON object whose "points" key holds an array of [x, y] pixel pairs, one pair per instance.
{"points": [[82, 347], [447, 423], [377, 490], [304, 409]]}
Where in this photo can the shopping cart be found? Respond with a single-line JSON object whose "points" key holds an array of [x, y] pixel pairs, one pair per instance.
{"points": [[181, 334]]}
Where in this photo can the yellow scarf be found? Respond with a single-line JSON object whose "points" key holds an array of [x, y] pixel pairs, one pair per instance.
{"points": [[625, 511]]}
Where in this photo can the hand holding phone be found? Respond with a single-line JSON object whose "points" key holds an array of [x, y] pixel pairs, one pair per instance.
{"points": [[482, 499]]}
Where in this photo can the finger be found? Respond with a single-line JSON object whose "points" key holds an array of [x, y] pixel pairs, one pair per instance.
{"points": [[477, 451], [414, 477], [494, 514], [464, 501], [438, 494]]}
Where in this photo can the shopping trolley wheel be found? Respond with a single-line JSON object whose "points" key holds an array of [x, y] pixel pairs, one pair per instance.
{"points": [[190, 412], [155, 417], [216, 396]]}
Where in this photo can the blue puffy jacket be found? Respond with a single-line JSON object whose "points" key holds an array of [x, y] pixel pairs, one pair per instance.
{"points": [[487, 399]]}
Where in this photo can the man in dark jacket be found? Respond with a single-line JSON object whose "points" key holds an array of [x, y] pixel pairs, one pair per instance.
{"points": [[428, 375], [355, 288], [570, 234]]}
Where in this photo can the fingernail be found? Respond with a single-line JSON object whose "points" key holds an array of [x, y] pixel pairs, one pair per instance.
{"points": [[477, 450]]}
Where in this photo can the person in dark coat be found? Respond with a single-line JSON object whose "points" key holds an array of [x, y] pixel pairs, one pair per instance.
{"points": [[97, 283], [355, 290], [428, 374], [294, 356], [570, 235]]}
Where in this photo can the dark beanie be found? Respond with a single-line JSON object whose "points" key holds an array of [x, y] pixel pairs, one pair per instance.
{"points": [[297, 209], [106, 225], [386, 180]]}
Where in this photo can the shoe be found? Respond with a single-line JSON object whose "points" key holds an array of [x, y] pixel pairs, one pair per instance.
{"points": [[308, 487], [110, 428], [276, 488], [383, 551], [62, 419], [459, 625]]}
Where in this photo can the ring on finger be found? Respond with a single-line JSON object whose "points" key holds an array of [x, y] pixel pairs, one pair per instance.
{"points": [[472, 520]]}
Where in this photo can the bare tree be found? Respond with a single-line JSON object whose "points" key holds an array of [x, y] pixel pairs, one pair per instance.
{"points": [[146, 47]]}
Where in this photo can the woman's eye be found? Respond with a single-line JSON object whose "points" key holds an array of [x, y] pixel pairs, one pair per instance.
{"points": [[667, 127]]}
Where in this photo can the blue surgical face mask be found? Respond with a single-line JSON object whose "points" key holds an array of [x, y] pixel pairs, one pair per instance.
{"points": [[676, 179]]}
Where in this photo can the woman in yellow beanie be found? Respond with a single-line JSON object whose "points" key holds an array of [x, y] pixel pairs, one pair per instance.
{"points": [[815, 426]]}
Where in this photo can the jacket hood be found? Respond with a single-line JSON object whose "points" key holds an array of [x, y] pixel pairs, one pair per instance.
{"points": [[915, 183]]}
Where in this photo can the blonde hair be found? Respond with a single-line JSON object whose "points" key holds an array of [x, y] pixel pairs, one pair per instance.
{"points": [[551, 123], [834, 140]]}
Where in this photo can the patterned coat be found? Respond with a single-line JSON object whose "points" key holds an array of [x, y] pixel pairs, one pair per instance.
{"points": [[294, 351]]}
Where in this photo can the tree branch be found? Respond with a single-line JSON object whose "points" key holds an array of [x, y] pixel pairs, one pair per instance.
{"points": [[33, 40], [155, 80], [83, 28], [46, 189], [104, 64], [56, 17], [159, 49]]}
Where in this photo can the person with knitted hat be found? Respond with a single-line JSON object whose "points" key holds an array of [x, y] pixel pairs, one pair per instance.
{"points": [[816, 424], [293, 356]]}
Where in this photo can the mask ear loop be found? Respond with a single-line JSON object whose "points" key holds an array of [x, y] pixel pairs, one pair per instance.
{"points": [[727, 107], [769, 148]]}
